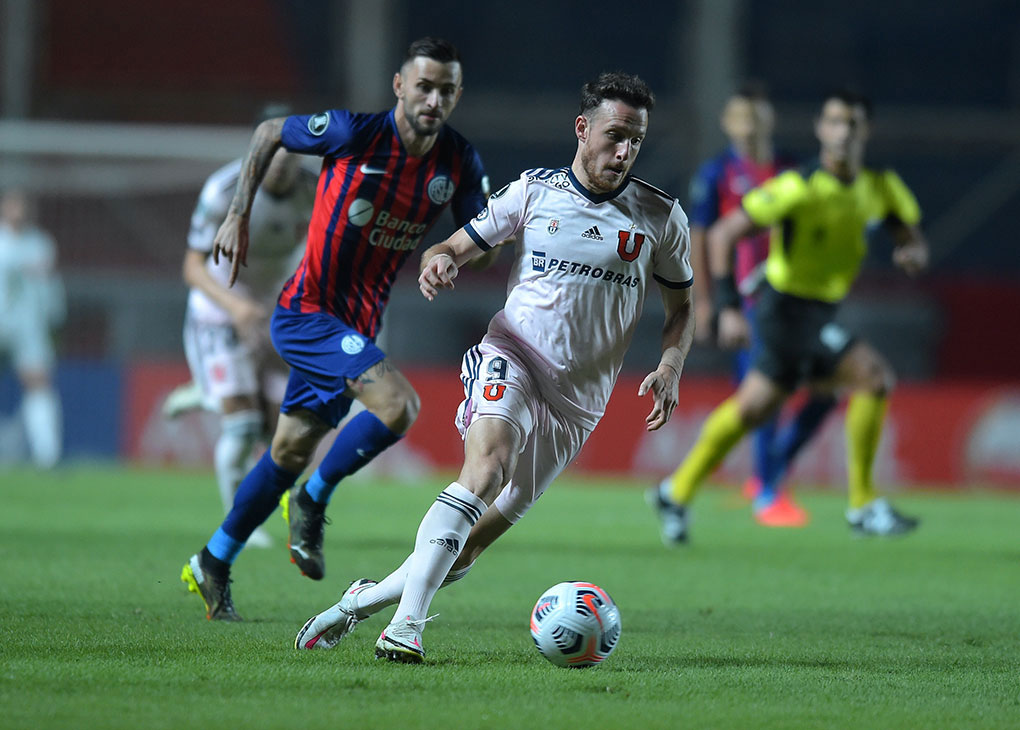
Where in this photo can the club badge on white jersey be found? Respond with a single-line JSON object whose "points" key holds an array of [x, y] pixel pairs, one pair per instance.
{"points": [[583, 265]]}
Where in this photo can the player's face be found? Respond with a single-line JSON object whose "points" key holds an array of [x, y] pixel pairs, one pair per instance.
{"points": [[842, 130], [610, 139], [427, 91], [14, 209], [748, 122]]}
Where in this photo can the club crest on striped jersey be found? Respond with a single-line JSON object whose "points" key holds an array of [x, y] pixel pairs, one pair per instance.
{"points": [[352, 344], [318, 123], [440, 189]]}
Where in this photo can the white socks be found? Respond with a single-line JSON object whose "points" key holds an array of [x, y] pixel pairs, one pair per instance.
{"points": [[441, 537], [239, 432], [43, 425], [388, 591]]}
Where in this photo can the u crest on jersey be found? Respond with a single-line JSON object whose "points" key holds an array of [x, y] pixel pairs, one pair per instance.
{"points": [[627, 252]]}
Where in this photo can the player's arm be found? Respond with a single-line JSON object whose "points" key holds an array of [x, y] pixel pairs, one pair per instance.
{"points": [[722, 240], [703, 313], [677, 335], [911, 252], [232, 237], [245, 313], [441, 263]]}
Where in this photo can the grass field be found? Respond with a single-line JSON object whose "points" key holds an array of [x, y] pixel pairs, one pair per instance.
{"points": [[747, 627]]}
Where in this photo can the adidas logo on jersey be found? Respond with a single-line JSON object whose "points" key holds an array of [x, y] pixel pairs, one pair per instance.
{"points": [[593, 233]]}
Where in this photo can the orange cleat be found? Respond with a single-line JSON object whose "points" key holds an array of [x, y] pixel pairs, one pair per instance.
{"points": [[783, 512], [751, 489]]}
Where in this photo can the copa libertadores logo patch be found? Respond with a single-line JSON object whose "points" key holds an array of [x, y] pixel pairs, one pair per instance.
{"points": [[317, 123]]}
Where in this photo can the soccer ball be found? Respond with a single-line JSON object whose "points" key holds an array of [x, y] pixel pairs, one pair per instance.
{"points": [[575, 624]]}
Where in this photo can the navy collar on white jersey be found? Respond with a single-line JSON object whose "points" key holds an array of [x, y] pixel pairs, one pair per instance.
{"points": [[596, 197]]}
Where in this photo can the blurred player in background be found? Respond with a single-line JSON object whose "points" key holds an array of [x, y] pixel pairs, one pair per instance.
{"points": [[32, 304], [385, 179], [818, 220], [748, 120], [226, 329], [590, 240]]}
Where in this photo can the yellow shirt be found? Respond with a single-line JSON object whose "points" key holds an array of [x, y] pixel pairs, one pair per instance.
{"points": [[818, 224]]}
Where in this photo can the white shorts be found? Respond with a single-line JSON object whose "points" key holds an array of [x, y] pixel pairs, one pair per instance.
{"points": [[224, 366], [496, 386], [26, 340]]}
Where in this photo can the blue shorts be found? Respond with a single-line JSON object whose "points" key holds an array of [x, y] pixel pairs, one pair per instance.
{"points": [[323, 353]]}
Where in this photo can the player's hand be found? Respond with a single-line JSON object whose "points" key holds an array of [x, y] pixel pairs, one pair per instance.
{"points": [[912, 257], [703, 316], [251, 320], [232, 241], [734, 329], [439, 273], [663, 384]]}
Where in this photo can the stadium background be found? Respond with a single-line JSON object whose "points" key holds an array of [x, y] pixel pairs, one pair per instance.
{"points": [[113, 113]]}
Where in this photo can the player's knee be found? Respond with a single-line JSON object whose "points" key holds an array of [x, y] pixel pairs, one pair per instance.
{"points": [[878, 377], [294, 445], [883, 380], [400, 410], [755, 411]]}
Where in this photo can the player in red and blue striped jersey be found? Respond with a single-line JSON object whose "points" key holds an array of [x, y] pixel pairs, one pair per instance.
{"points": [[385, 179], [716, 189]]}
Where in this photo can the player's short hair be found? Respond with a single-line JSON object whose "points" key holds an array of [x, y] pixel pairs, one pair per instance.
{"points": [[437, 49], [850, 97], [616, 86], [753, 90]]}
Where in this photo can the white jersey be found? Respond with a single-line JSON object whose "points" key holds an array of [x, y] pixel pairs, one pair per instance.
{"points": [[29, 286], [277, 229], [583, 264]]}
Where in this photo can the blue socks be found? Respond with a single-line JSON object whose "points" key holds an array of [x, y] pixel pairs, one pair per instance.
{"points": [[360, 441], [256, 499], [774, 455]]}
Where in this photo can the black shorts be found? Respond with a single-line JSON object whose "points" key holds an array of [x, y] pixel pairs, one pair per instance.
{"points": [[798, 338]]}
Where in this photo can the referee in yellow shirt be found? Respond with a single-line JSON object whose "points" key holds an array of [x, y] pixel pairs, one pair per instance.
{"points": [[818, 219]]}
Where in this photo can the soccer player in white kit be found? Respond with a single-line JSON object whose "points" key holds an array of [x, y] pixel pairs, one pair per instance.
{"points": [[31, 305], [589, 241], [226, 330]]}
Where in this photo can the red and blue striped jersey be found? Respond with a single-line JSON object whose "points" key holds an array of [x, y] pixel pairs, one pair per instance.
{"points": [[373, 205], [718, 187]]}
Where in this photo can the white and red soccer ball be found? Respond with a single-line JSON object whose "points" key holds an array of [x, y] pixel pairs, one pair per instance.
{"points": [[575, 624]]}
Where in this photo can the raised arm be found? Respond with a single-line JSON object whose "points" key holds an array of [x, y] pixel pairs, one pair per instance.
{"points": [[441, 263], [232, 237], [722, 239], [677, 335]]}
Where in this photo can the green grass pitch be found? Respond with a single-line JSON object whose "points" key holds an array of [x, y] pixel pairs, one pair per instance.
{"points": [[746, 627]]}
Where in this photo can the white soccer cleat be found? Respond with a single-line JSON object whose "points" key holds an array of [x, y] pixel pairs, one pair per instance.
{"points": [[183, 398], [325, 630], [401, 641], [878, 517], [673, 518]]}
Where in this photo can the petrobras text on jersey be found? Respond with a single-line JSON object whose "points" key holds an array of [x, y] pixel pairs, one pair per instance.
{"points": [[386, 225], [578, 268]]}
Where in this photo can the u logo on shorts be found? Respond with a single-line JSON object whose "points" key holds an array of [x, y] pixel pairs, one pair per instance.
{"points": [[493, 391]]}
